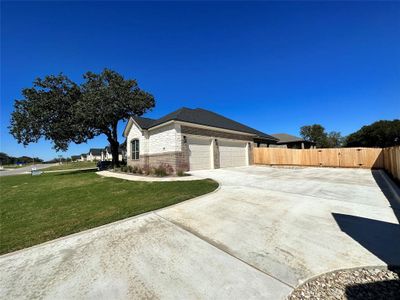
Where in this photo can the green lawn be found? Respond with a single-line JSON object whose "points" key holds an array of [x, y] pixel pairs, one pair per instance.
{"points": [[72, 165], [35, 209]]}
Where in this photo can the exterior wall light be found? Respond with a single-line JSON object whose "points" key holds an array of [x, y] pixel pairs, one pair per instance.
{"points": [[184, 139]]}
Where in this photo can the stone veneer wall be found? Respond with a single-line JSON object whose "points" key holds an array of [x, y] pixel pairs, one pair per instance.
{"points": [[250, 149], [179, 160], [216, 156]]}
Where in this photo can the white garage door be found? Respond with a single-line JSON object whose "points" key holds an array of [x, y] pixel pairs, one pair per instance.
{"points": [[199, 153], [232, 154]]}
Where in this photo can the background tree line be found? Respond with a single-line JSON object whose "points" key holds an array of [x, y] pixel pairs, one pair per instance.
{"points": [[384, 133], [5, 159]]}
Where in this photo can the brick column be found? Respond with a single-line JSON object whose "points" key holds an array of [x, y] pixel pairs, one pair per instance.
{"points": [[249, 159], [212, 153]]}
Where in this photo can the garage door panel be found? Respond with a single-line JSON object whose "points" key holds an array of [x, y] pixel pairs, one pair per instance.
{"points": [[232, 154], [199, 153]]}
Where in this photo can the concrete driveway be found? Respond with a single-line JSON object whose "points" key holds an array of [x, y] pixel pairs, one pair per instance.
{"points": [[262, 233]]}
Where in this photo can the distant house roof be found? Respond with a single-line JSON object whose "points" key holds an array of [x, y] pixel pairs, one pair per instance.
{"points": [[83, 155], [201, 117], [285, 138], [96, 151], [121, 148], [75, 156]]}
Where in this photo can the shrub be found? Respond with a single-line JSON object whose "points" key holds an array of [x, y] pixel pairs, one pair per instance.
{"points": [[160, 171], [130, 169], [135, 169], [168, 168], [146, 170], [124, 169], [163, 170]]}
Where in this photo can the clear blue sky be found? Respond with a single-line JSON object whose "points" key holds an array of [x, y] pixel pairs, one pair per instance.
{"points": [[274, 66]]}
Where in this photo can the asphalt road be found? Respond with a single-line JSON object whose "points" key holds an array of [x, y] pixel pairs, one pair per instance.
{"points": [[24, 170]]}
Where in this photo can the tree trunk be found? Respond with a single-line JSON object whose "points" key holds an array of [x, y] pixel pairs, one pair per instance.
{"points": [[114, 145]]}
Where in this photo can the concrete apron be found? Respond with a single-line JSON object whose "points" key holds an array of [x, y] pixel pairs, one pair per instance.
{"points": [[265, 231], [294, 224]]}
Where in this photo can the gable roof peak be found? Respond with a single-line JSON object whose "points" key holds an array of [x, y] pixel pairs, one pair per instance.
{"points": [[201, 116]]}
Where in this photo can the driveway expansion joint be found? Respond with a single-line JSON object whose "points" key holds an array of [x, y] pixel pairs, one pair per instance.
{"points": [[223, 248]]}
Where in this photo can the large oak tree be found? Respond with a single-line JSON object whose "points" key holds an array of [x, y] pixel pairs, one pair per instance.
{"points": [[60, 110], [316, 133], [383, 133]]}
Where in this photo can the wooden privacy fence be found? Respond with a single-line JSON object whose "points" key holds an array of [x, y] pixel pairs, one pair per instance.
{"points": [[391, 161], [371, 158], [334, 157]]}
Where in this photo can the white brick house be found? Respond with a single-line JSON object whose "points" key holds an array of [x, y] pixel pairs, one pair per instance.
{"points": [[94, 154], [107, 155], [191, 139]]}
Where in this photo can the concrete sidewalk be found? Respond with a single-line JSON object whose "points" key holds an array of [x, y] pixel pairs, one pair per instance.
{"points": [[265, 231]]}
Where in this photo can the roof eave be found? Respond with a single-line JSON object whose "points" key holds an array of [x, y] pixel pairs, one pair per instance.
{"points": [[265, 139], [129, 126]]}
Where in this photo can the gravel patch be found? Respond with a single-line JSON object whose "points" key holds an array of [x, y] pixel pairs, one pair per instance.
{"points": [[364, 283]]}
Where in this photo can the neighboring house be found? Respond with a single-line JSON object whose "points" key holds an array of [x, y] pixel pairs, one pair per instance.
{"points": [[291, 141], [94, 154], [83, 157], [106, 153], [191, 139], [75, 157], [122, 150]]}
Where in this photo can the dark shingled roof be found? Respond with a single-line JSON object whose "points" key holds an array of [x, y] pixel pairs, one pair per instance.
{"points": [[96, 151], [287, 138], [145, 123], [201, 117], [121, 148], [75, 157]]}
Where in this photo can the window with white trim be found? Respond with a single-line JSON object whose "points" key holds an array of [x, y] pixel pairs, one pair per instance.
{"points": [[135, 149]]}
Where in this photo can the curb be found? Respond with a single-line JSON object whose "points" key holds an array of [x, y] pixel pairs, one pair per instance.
{"points": [[392, 186], [139, 178]]}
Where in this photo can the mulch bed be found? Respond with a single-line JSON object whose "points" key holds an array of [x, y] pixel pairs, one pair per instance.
{"points": [[354, 284]]}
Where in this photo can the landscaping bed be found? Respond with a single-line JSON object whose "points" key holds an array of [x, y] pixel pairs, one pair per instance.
{"points": [[35, 209], [160, 171], [362, 283]]}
